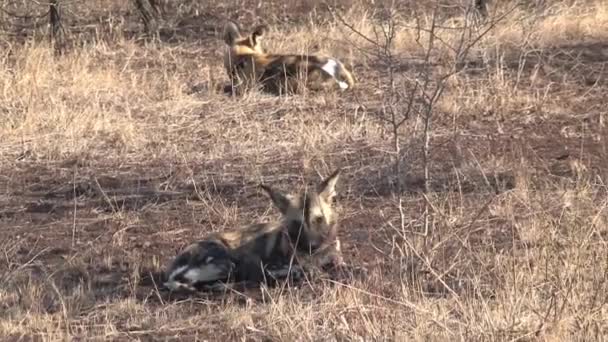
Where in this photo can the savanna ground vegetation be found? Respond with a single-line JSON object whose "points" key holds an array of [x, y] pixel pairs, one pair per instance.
{"points": [[473, 154]]}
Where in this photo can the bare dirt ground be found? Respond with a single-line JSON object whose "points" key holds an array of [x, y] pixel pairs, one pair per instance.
{"points": [[117, 153]]}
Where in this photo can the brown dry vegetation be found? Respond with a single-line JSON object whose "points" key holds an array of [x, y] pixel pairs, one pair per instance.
{"points": [[121, 150]]}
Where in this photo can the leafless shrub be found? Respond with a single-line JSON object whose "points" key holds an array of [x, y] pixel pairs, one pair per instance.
{"points": [[149, 12], [441, 48], [416, 96], [56, 32]]}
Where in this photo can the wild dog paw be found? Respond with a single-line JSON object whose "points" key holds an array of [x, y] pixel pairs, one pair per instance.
{"points": [[215, 287], [345, 272], [334, 262], [178, 287], [281, 272]]}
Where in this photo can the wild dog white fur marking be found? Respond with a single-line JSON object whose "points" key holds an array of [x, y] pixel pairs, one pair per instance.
{"points": [[331, 67], [209, 272], [171, 283]]}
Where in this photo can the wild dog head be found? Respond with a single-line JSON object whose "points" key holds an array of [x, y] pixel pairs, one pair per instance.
{"points": [[241, 53], [309, 217]]}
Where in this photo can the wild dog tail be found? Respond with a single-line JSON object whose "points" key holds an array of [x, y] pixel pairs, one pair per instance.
{"points": [[346, 76], [338, 71], [202, 264]]}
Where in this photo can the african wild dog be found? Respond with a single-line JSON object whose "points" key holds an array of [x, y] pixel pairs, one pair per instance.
{"points": [[248, 64], [265, 251]]}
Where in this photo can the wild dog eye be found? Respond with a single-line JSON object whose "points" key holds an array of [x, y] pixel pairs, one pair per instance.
{"points": [[318, 220]]}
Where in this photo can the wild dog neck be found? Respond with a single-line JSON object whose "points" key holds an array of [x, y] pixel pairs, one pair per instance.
{"points": [[300, 239]]}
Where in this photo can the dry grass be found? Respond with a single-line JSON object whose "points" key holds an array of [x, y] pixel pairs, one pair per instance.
{"points": [[110, 163]]}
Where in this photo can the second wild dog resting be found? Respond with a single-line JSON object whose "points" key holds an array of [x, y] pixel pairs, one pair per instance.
{"points": [[248, 64], [265, 251]]}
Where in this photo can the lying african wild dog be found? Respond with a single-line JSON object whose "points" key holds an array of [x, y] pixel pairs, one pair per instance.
{"points": [[265, 251], [248, 64]]}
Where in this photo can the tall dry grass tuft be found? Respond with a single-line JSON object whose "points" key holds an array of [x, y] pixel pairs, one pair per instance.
{"points": [[67, 106]]}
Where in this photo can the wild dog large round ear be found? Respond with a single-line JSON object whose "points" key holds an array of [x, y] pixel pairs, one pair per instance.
{"points": [[258, 33], [327, 188], [231, 33], [281, 201]]}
